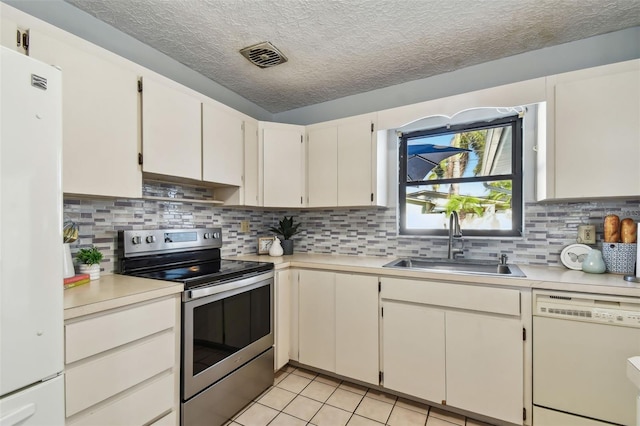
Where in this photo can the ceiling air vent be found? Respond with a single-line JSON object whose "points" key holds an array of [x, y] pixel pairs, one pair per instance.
{"points": [[264, 55]]}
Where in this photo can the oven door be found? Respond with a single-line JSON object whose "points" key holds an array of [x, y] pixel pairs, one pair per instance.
{"points": [[225, 329]]}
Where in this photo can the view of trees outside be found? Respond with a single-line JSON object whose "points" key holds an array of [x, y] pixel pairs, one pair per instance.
{"points": [[481, 204]]}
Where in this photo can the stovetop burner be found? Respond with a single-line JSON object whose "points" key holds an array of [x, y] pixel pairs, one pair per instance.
{"points": [[206, 273]]}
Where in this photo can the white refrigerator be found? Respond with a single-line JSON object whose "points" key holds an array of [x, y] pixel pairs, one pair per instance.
{"points": [[31, 306]]}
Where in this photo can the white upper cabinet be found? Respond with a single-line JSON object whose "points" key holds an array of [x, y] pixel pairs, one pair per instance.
{"points": [[251, 163], [222, 145], [283, 178], [100, 117], [346, 163], [171, 130], [592, 148], [322, 166], [356, 157]]}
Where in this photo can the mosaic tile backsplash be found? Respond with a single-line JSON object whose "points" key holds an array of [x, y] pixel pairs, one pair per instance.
{"points": [[361, 231]]}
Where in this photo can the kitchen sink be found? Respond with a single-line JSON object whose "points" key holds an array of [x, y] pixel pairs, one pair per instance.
{"points": [[457, 266]]}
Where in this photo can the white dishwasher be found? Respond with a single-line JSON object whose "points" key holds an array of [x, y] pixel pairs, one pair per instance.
{"points": [[581, 343]]}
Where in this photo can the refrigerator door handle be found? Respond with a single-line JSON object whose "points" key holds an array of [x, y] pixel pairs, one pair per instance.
{"points": [[19, 415]]}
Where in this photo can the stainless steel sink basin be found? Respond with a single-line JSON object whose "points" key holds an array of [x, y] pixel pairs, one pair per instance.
{"points": [[457, 266]]}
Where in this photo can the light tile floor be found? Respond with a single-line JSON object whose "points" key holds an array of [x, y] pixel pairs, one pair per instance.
{"points": [[301, 397]]}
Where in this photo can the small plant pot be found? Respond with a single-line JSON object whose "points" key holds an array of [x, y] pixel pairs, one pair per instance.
{"points": [[92, 270], [287, 246]]}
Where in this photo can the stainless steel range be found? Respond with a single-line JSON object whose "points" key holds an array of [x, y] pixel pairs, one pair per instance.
{"points": [[227, 317]]}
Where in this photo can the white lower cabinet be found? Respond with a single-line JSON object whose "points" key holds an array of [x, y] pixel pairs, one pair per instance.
{"points": [[338, 323], [456, 345], [282, 318], [317, 319], [413, 350], [357, 327], [485, 365], [122, 366], [545, 417]]}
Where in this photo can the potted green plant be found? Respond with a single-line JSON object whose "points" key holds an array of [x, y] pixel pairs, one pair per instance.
{"points": [[287, 229], [89, 259]]}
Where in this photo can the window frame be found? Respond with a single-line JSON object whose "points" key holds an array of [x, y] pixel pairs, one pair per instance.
{"points": [[516, 176]]}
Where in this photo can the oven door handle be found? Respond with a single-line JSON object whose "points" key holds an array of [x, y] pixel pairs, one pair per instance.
{"points": [[222, 287]]}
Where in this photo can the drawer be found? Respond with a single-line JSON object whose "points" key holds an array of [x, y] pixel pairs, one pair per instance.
{"points": [[470, 297], [135, 408], [89, 337], [170, 419], [88, 383]]}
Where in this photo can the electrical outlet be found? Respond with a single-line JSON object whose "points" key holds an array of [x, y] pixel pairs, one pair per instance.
{"points": [[586, 234], [244, 226]]}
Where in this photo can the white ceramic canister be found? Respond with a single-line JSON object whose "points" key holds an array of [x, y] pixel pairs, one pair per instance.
{"points": [[594, 263], [276, 248]]}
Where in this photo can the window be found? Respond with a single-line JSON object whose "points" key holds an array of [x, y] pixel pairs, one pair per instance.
{"points": [[474, 169]]}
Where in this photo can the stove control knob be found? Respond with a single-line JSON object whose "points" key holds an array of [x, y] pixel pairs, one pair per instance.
{"points": [[136, 239], [216, 235], [151, 239], [207, 235]]}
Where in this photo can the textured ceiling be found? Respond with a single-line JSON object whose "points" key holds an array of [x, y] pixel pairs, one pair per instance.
{"points": [[345, 47]]}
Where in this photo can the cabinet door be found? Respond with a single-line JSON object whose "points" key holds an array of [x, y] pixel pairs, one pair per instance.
{"points": [[294, 310], [317, 326], [597, 143], [322, 167], [171, 131], [357, 321], [484, 365], [355, 164], [413, 350], [250, 183], [283, 172], [100, 120], [222, 146], [282, 318]]}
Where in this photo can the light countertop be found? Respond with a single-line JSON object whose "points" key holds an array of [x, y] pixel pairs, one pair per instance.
{"points": [[537, 277], [114, 291]]}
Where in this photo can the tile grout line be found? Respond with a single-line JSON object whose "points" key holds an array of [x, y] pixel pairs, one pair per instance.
{"points": [[352, 413], [297, 395]]}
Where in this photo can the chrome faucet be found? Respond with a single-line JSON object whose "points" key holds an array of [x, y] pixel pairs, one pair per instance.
{"points": [[454, 232]]}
